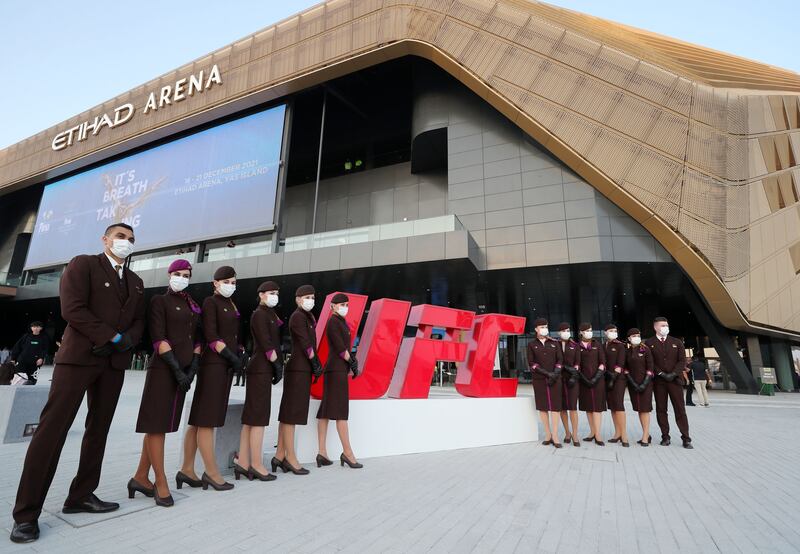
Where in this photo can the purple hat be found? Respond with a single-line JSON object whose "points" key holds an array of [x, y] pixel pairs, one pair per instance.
{"points": [[179, 265]]}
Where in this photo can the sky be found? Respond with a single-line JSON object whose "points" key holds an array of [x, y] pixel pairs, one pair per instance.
{"points": [[62, 58]]}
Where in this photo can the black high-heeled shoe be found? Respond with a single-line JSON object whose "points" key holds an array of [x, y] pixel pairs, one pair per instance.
{"points": [[343, 459], [287, 467], [323, 461], [599, 443], [163, 501], [261, 477], [238, 471], [208, 482], [575, 442], [548, 442], [567, 440], [625, 444], [135, 486], [615, 440], [558, 445], [275, 463], [588, 439], [181, 478]]}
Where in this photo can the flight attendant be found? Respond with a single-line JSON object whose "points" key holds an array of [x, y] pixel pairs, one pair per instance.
{"points": [[173, 321], [335, 392], [103, 304], [264, 370], [592, 394], [615, 397], [545, 360], [569, 384], [669, 363], [219, 361], [297, 381], [639, 374]]}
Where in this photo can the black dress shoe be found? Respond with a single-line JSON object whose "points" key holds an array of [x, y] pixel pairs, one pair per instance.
{"points": [[260, 477], [344, 460], [548, 442], [135, 486], [588, 439], [209, 482], [664, 442], [615, 440], [27, 531], [163, 501], [558, 445], [275, 463], [91, 505], [323, 461], [238, 471], [287, 467], [688, 445], [181, 478]]}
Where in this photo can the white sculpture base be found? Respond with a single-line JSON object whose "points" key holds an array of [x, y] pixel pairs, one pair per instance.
{"points": [[389, 426]]}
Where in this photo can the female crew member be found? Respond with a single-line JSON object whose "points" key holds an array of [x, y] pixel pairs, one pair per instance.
{"points": [[266, 364], [173, 321], [218, 363], [335, 393], [569, 384], [592, 394], [297, 381], [544, 359], [639, 364], [615, 359]]}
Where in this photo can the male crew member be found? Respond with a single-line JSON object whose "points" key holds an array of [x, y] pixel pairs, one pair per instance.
{"points": [[103, 304], [669, 362], [29, 352]]}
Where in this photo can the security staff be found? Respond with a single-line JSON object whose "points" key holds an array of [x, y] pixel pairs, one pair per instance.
{"points": [[264, 370], [173, 323], [335, 390], [303, 363], [103, 304], [545, 360], [669, 362], [639, 374], [592, 394], [615, 398], [569, 384], [29, 352], [219, 361]]}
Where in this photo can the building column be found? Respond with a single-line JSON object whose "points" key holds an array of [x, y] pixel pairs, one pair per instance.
{"points": [[754, 359], [783, 364]]}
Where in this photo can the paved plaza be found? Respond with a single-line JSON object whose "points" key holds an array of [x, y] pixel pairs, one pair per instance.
{"points": [[737, 491]]}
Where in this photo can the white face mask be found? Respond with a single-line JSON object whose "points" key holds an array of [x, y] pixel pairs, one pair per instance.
{"points": [[227, 289], [308, 304], [178, 283], [664, 331], [612, 335], [343, 311], [121, 248], [272, 300], [636, 341], [544, 331], [565, 335], [587, 335]]}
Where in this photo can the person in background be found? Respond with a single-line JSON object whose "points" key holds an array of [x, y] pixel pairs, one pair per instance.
{"points": [[569, 384], [30, 351], [702, 378], [615, 361], [335, 391], [173, 323], [689, 382], [639, 374], [545, 361], [265, 369]]}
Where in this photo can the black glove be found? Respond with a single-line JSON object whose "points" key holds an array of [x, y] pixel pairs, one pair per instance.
{"points": [[645, 382], [123, 344], [584, 379], [234, 361], [277, 369], [104, 350], [611, 379], [193, 367], [316, 367], [183, 380], [353, 363], [596, 379], [572, 381], [668, 376]]}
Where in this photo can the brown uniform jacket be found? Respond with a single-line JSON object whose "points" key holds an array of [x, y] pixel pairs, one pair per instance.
{"points": [[668, 356], [639, 362], [338, 334], [172, 319], [220, 322], [569, 352], [97, 305], [302, 326], [591, 358], [546, 356], [615, 354], [265, 326]]}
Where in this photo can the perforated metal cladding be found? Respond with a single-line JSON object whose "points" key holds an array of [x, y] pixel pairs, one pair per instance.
{"points": [[666, 122]]}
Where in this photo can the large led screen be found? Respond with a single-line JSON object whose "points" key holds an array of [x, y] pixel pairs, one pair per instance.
{"points": [[215, 183]]}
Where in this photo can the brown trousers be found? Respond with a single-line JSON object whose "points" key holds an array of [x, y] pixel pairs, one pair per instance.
{"points": [[675, 392], [102, 385]]}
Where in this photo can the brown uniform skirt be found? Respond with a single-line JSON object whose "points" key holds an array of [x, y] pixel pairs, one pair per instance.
{"points": [[548, 397], [257, 399], [210, 404], [569, 395], [592, 399], [335, 396], [615, 398], [642, 401], [296, 397], [162, 403]]}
